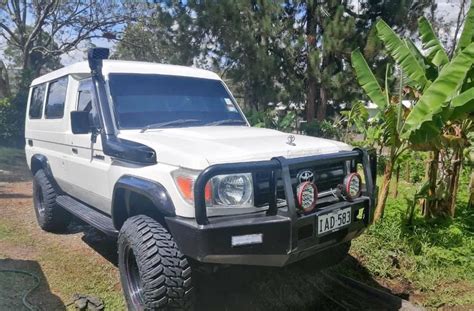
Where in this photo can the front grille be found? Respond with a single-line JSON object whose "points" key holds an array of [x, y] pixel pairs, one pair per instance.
{"points": [[326, 177]]}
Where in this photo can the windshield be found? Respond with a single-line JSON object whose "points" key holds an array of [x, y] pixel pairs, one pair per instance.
{"points": [[159, 101]]}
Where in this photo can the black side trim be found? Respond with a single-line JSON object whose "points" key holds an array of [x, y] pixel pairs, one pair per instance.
{"points": [[152, 190], [39, 161], [88, 214]]}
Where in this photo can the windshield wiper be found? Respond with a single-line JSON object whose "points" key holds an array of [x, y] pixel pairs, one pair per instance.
{"points": [[226, 121], [164, 124]]}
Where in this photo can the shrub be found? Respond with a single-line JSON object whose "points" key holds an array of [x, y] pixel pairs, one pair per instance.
{"points": [[280, 120], [11, 123], [324, 129]]}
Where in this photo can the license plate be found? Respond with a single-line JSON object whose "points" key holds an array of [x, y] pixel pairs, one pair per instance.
{"points": [[334, 221]]}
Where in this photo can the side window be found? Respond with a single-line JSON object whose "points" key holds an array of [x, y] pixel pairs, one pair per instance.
{"points": [[56, 99], [85, 103], [37, 100]]}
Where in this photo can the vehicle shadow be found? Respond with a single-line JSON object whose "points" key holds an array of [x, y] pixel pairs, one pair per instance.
{"points": [[95, 239], [14, 285], [300, 286]]}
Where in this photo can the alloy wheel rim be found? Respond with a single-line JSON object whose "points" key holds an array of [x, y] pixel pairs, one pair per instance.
{"points": [[134, 283], [40, 204]]}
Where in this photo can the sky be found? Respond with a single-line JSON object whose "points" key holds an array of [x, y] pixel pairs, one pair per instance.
{"points": [[447, 11]]}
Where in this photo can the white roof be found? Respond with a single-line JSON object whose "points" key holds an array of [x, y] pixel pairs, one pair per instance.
{"points": [[82, 70]]}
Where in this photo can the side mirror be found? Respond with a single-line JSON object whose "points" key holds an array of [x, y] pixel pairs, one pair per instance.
{"points": [[80, 123]]}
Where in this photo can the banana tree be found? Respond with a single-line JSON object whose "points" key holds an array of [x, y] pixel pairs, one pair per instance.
{"points": [[391, 120], [445, 96], [357, 117], [438, 120], [439, 123]]}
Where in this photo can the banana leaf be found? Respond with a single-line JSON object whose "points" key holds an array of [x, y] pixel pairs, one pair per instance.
{"points": [[426, 118], [468, 30], [430, 43], [461, 105], [390, 133], [431, 71], [402, 54], [416, 52], [367, 79]]}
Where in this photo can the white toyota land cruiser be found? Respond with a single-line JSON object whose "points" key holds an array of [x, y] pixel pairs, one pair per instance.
{"points": [[162, 157]]}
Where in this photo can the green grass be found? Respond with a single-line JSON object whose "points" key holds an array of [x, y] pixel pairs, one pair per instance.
{"points": [[11, 157], [67, 270], [13, 165], [433, 259]]}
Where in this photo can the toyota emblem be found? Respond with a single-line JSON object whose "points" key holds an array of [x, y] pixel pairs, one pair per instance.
{"points": [[304, 176]]}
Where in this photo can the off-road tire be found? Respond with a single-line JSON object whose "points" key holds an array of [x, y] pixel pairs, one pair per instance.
{"points": [[163, 272], [50, 216]]}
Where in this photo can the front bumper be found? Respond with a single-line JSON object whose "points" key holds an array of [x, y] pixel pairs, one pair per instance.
{"points": [[285, 235]]}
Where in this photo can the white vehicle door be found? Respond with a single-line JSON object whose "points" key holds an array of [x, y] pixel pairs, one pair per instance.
{"points": [[88, 167]]}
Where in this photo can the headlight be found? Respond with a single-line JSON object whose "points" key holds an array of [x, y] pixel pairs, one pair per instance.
{"points": [[221, 190], [352, 186], [235, 189]]}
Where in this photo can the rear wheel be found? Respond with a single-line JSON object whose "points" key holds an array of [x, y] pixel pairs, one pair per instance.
{"points": [[153, 272], [51, 217]]}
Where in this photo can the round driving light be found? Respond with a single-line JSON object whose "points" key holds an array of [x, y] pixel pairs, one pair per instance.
{"points": [[234, 189], [352, 186], [307, 196]]}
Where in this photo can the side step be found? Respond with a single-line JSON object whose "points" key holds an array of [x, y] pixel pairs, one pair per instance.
{"points": [[87, 214]]}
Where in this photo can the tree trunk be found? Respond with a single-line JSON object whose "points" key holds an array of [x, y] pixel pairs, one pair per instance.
{"points": [[312, 81], [397, 177], [385, 187], [4, 82], [454, 181], [322, 104], [430, 204], [311, 98], [470, 203], [407, 172]]}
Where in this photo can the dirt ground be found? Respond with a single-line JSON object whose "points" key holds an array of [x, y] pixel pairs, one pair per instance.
{"points": [[84, 261], [25, 246]]}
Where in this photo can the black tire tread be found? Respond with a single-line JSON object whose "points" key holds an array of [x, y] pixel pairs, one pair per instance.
{"points": [[165, 271], [54, 218]]}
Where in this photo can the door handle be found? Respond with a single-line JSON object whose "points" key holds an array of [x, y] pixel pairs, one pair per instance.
{"points": [[74, 150], [30, 142], [98, 157]]}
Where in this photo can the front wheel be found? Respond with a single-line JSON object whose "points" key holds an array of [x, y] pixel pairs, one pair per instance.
{"points": [[154, 274]]}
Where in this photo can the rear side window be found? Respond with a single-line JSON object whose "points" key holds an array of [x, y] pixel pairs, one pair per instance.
{"points": [[56, 99], [37, 100]]}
